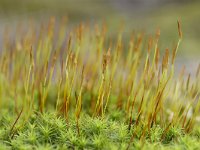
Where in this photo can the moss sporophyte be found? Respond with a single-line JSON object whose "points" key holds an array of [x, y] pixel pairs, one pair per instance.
{"points": [[72, 88]]}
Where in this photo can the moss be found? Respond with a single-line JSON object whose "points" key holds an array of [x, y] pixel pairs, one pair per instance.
{"points": [[49, 131], [58, 94]]}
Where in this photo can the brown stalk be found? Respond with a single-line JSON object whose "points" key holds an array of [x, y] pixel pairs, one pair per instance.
{"points": [[138, 118], [129, 97], [165, 131], [188, 82], [149, 122], [190, 125], [165, 60], [143, 134], [11, 130], [132, 106], [131, 140], [156, 107], [158, 98], [157, 57], [77, 115], [138, 42], [185, 118], [139, 109], [179, 29]]}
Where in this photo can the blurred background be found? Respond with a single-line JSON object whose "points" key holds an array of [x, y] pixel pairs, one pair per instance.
{"points": [[138, 15]]}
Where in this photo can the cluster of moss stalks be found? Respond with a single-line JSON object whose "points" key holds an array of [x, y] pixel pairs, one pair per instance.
{"points": [[72, 88]]}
